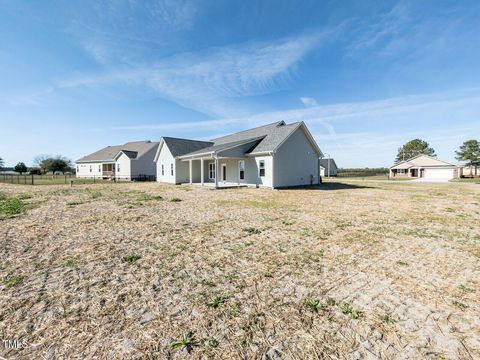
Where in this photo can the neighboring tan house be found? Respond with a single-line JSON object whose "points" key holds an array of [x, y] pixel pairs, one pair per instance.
{"points": [[328, 167], [133, 160], [424, 166], [274, 155]]}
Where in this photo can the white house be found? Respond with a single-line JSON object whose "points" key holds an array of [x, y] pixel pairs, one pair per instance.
{"points": [[274, 156], [328, 167], [133, 160], [424, 166]]}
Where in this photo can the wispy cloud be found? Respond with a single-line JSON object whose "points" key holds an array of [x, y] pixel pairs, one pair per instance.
{"points": [[111, 27], [210, 81], [387, 25], [308, 101], [404, 34]]}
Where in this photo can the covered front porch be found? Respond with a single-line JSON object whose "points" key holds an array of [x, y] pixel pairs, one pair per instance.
{"points": [[108, 170], [412, 172], [216, 172]]}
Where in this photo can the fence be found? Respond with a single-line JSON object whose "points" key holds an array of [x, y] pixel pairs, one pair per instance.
{"points": [[66, 179]]}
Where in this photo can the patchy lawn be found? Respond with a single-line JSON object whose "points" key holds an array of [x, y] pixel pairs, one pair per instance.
{"points": [[468, 180], [144, 271]]}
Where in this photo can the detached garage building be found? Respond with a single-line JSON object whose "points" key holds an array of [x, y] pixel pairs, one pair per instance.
{"points": [[424, 166], [328, 167]]}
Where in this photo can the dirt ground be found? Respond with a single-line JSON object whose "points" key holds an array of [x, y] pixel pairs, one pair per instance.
{"points": [[150, 271]]}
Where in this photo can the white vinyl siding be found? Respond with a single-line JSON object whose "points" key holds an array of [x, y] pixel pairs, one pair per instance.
{"points": [[296, 162], [164, 161], [123, 165]]}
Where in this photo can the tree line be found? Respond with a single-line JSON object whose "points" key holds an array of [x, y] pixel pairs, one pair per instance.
{"points": [[44, 164]]}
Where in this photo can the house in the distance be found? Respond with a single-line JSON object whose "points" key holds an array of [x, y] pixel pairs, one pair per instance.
{"points": [[328, 167], [274, 156], [424, 166], [130, 161]]}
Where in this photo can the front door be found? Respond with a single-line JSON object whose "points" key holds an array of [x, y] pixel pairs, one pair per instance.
{"points": [[224, 172]]}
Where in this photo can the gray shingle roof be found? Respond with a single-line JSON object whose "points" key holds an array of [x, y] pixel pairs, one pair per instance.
{"points": [[135, 148], [264, 139], [222, 146], [249, 134], [179, 147], [270, 135], [324, 162], [275, 137]]}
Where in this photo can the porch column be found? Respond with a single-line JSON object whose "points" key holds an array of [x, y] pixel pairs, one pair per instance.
{"points": [[201, 171], [190, 170], [216, 172]]}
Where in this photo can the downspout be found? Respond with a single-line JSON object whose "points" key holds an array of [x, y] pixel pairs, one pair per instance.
{"points": [[318, 166], [272, 153]]}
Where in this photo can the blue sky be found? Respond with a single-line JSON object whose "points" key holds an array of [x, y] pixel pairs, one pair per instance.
{"points": [[365, 76]]}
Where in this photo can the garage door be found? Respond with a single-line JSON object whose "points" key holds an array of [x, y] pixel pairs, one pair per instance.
{"points": [[439, 173]]}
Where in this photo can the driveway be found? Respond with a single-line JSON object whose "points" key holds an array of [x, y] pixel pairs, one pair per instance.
{"points": [[415, 181], [431, 181]]}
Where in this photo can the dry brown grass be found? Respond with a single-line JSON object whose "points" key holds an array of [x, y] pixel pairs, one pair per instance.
{"points": [[120, 271]]}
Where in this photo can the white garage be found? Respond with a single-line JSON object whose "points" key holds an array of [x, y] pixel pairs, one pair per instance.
{"points": [[439, 173]]}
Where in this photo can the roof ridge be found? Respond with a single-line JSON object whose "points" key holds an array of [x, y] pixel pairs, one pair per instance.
{"points": [[176, 138], [139, 141], [250, 129]]}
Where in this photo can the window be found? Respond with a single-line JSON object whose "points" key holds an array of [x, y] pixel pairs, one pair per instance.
{"points": [[401, 171], [163, 170], [78, 169], [99, 168], [171, 169], [90, 168], [211, 171], [261, 168], [241, 169], [118, 167]]}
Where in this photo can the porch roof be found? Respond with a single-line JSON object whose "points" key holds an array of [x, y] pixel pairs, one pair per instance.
{"points": [[217, 149]]}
